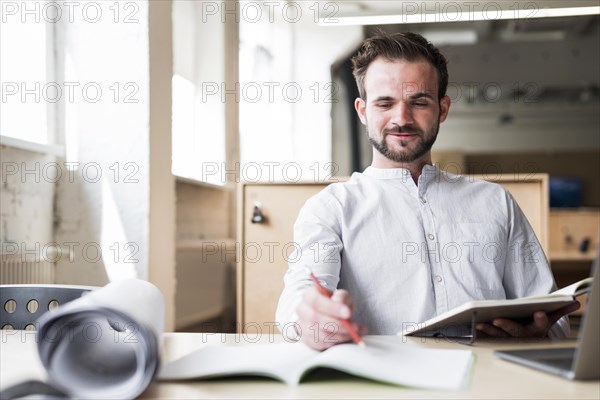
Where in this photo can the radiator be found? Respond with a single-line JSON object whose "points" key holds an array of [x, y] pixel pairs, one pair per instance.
{"points": [[16, 269]]}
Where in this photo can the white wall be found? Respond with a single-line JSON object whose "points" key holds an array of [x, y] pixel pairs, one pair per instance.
{"points": [[199, 116], [545, 129], [317, 48], [108, 136], [121, 198], [26, 199], [293, 127]]}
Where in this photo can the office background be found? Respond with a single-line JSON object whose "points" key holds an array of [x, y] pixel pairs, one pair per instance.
{"points": [[165, 106]]}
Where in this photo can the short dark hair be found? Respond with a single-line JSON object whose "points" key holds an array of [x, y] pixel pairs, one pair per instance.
{"points": [[398, 46]]}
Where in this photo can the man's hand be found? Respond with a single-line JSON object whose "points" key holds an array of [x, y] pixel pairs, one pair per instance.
{"points": [[539, 327], [320, 319]]}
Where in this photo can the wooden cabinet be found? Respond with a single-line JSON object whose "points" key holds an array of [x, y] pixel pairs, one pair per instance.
{"points": [[570, 257], [574, 234], [531, 193], [264, 246]]}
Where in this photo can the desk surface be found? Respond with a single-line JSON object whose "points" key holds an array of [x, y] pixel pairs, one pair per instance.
{"points": [[491, 377]]}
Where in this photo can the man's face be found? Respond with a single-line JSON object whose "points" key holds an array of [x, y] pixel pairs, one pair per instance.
{"points": [[402, 112]]}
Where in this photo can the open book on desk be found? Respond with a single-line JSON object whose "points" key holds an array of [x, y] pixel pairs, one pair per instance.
{"points": [[394, 363], [458, 322]]}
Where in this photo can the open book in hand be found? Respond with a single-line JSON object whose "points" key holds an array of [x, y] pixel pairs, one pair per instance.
{"points": [[458, 322], [395, 363]]}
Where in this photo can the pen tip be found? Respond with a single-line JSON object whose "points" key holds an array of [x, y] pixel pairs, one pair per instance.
{"points": [[362, 344]]}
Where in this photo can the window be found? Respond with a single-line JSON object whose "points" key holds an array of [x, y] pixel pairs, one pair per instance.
{"points": [[198, 85], [28, 92]]}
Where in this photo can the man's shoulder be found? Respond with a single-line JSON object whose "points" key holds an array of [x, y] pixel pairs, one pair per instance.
{"points": [[473, 183], [339, 191]]}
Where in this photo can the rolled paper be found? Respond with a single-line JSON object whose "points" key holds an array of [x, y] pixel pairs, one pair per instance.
{"points": [[106, 343]]}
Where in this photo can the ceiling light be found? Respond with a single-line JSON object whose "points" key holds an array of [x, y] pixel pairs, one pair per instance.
{"points": [[456, 14], [448, 37]]}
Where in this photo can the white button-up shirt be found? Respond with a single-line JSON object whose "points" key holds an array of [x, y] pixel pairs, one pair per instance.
{"points": [[407, 252]]}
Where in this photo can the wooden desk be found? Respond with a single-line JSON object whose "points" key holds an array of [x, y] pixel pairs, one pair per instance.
{"points": [[491, 378]]}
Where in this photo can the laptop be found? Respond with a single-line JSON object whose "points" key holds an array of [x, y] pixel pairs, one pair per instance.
{"points": [[581, 362]]}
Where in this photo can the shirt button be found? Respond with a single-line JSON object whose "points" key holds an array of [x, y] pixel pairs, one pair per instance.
{"points": [[423, 200], [438, 278], [430, 236]]}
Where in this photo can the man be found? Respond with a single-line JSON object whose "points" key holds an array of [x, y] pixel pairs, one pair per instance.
{"points": [[403, 242]]}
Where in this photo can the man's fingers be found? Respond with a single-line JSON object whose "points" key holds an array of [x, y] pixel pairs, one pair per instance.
{"points": [[491, 330], [325, 305], [320, 331], [558, 314], [320, 318], [317, 321], [321, 340], [512, 328], [542, 322], [538, 328], [342, 296]]}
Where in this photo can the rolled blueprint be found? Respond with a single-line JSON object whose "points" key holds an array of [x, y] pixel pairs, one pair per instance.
{"points": [[104, 345]]}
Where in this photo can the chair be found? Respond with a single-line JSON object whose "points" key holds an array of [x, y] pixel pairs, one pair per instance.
{"points": [[23, 305]]}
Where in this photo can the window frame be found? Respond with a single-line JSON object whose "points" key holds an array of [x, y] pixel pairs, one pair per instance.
{"points": [[54, 144]]}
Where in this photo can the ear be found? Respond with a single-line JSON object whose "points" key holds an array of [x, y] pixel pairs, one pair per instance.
{"points": [[444, 108], [361, 109]]}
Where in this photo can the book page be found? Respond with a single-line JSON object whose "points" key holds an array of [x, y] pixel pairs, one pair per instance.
{"points": [[573, 290], [398, 363], [457, 322], [279, 361], [576, 288], [521, 309]]}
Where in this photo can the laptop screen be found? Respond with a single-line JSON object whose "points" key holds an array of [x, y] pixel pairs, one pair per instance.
{"points": [[587, 356]]}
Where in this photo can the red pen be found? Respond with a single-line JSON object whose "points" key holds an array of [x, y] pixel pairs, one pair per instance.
{"points": [[355, 336]]}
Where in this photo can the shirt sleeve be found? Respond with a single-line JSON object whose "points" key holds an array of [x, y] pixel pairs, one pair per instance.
{"points": [[527, 272], [317, 247]]}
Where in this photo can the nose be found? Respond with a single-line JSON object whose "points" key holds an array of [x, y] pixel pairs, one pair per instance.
{"points": [[402, 114]]}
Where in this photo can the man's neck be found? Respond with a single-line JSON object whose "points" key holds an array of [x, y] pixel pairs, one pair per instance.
{"points": [[414, 167]]}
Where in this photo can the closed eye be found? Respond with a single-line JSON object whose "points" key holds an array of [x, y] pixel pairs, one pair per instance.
{"points": [[422, 99]]}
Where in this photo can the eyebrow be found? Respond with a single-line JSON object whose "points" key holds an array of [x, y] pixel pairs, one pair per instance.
{"points": [[421, 95], [384, 98], [414, 96]]}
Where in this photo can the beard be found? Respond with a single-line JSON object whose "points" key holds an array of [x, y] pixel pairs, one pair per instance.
{"points": [[424, 143]]}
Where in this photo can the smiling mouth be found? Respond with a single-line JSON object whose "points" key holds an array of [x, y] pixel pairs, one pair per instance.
{"points": [[402, 136]]}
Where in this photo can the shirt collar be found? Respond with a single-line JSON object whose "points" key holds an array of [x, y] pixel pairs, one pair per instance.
{"points": [[428, 172]]}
